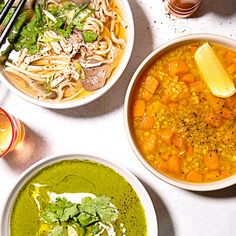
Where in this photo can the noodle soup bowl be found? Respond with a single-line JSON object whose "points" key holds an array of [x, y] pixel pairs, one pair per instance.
{"points": [[93, 95], [205, 186]]}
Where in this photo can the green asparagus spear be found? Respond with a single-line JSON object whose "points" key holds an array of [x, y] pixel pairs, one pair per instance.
{"points": [[14, 32]]}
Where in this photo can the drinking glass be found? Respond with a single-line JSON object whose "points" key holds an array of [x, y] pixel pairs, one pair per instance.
{"points": [[182, 8], [12, 132]]}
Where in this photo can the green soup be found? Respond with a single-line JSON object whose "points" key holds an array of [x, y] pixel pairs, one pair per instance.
{"points": [[75, 176]]}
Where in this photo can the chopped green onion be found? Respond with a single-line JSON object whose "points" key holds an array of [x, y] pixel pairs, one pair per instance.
{"points": [[50, 16]]}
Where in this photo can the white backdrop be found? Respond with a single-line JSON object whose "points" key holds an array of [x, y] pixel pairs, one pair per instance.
{"points": [[98, 128]]}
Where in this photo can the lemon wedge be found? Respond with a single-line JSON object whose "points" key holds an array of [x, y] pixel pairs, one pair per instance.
{"points": [[213, 72]]}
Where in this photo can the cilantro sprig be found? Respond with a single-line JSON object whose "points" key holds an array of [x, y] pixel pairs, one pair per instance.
{"points": [[82, 217]]}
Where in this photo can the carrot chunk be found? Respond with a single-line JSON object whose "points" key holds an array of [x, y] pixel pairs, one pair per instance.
{"points": [[189, 77], [163, 166], [150, 84], [138, 108], [165, 98], [174, 165], [165, 156], [229, 136], [194, 176], [178, 67], [146, 95], [214, 102], [232, 69], [196, 86], [212, 175], [212, 161], [226, 113], [174, 105], [183, 96], [233, 164], [166, 136], [230, 57], [147, 122], [231, 101], [213, 120], [189, 151]]}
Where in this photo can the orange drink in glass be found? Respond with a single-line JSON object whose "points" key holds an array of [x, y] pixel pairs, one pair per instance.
{"points": [[12, 132], [182, 8]]}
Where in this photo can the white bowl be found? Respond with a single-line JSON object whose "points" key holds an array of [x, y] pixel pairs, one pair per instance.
{"points": [[127, 13], [226, 42], [151, 220]]}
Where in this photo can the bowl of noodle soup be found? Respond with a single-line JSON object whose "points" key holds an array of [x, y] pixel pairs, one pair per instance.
{"points": [[64, 54]]}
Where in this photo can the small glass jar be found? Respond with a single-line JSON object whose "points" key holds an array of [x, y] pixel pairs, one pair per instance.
{"points": [[182, 8], [12, 132]]}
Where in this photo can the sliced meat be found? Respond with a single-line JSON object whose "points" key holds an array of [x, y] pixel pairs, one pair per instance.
{"points": [[77, 33], [96, 77]]}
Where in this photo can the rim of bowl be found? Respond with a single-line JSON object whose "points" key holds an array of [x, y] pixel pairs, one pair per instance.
{"points": [[146, 202], [130, 33], [218, 39]]}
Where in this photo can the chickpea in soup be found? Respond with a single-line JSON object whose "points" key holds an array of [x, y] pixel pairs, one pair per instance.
{"points": [[179, 126]]}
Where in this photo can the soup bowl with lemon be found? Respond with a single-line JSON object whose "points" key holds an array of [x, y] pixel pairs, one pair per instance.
{"points": [[180, 112]]}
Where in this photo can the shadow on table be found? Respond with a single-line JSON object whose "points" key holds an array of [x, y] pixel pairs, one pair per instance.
{"points": [[165, 225], [221, 8], [114, 98], [28, 152], [229, 192]]}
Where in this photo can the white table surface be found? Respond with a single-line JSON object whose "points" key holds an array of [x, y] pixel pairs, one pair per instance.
{"points": [[98, 128]]}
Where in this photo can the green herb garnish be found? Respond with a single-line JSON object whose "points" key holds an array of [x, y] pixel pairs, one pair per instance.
{"points": [[82, 217], [62, 21], [89, 36]]}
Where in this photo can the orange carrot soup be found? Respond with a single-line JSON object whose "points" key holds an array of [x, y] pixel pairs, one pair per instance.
{"points": [[181, 128]]}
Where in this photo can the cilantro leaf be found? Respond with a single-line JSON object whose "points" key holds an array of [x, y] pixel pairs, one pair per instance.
{"points": [[100, 206], [87, 205], [69, 213], [87, 219], [107, 215], [89, 36], [106, 211], [49, 217], [63, 203]]}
